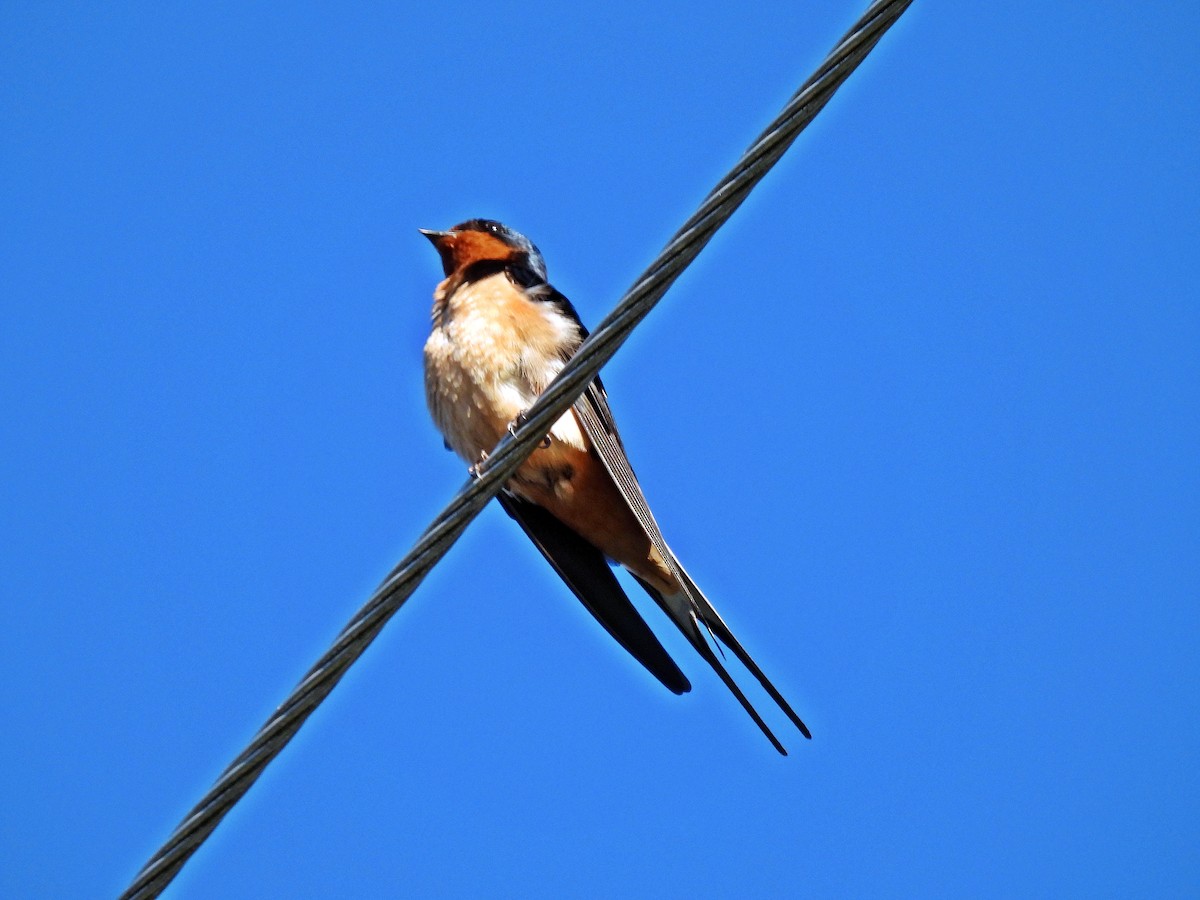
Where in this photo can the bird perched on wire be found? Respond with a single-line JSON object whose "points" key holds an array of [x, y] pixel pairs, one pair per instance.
{"points": [[501, 333]]}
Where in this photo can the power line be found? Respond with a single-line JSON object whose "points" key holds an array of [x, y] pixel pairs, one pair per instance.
{"points": [[508, 455]]}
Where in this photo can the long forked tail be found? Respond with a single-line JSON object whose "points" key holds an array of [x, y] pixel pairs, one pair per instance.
{"points": [[689, 609], [681, 609], [714, 621]]}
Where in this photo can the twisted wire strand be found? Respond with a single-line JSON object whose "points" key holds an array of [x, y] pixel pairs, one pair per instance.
{"points": [[512, 450]]}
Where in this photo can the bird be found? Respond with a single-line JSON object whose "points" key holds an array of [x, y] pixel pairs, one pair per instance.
{"points": [[500, 334]]}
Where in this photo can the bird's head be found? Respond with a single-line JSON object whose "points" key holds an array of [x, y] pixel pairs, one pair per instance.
{"points": [[480, 240]]}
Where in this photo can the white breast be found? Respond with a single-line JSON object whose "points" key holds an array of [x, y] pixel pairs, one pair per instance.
{"points": [[491, 352]]}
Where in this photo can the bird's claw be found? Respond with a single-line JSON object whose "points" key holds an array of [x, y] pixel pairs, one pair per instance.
{"points": [[520, 420], [475, 470]]}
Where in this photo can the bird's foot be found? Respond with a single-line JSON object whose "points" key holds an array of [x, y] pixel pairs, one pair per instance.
{"points": [[476, 469], [520, 420]]}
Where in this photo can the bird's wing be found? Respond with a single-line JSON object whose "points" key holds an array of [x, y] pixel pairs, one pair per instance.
{"points": [[690, 610], [589, 577]]}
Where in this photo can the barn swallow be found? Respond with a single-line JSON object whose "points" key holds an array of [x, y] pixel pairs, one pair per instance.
{"points": [[501, 333]]}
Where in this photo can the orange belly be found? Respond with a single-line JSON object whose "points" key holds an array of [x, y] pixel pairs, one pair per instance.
{"points": [[574, 486]]}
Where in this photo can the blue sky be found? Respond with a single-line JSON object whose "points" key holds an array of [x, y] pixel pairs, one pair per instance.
{"points": [[922, 421]]}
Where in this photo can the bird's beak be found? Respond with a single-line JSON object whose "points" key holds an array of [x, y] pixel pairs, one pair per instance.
{"points": [[435, 237]]}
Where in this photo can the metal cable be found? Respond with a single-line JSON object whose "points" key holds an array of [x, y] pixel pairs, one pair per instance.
{"points": [[514, 448]]}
